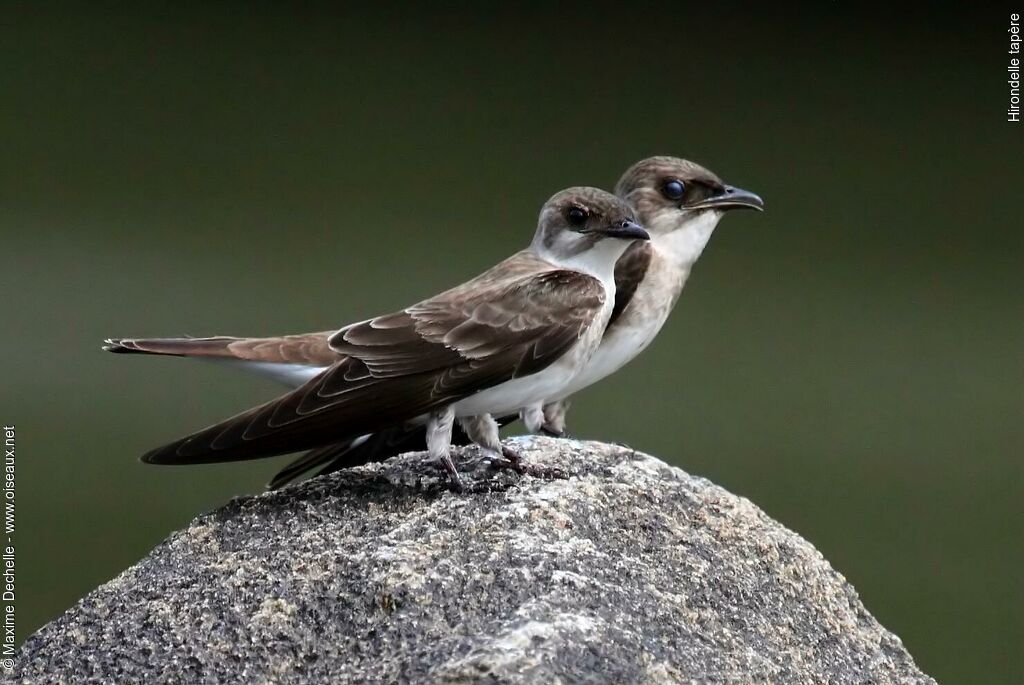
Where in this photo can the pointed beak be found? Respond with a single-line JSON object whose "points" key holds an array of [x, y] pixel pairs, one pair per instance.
{"points": [[627, 230], [731, 197]]}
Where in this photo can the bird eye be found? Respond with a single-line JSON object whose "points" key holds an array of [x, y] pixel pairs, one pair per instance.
{"points": [[673, 189], [576, 216]]}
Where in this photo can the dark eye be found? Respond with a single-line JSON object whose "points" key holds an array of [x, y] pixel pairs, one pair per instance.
{"points": [[673, 189], [576, 216]]}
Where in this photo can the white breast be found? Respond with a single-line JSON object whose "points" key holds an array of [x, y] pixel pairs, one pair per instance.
{"points": [[635, 328], [511, 396], [674, 253], [558, 380]]}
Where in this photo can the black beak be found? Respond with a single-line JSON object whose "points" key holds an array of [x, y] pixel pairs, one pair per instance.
{"points": [[730, 198], [627, 230]]}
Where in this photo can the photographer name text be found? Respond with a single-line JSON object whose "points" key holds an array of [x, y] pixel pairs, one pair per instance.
{"points": [[7, 554]]}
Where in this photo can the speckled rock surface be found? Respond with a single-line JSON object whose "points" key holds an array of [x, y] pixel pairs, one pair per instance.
{"points": [[629, 572]]}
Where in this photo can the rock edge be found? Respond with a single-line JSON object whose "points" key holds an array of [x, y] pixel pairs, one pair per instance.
{"points": [[631, 571]]}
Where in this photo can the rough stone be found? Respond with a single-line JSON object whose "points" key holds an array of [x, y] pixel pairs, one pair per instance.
{"points": [[631, 571]]}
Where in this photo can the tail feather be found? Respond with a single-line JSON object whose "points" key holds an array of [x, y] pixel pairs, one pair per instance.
{"points": [[365, 449], [217, 346], [358, 451], [307, 349], [311, 460]]}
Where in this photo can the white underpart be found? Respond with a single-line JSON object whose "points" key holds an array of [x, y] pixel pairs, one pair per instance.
{"points": [[483, 430], [585, 362], [439, 433], [532, 417], [675, 252], [551, 382], [360, 440], [598, 261], [291, 375]]}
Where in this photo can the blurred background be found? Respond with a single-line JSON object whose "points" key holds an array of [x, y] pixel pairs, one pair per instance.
{"points": [[849, 360]]}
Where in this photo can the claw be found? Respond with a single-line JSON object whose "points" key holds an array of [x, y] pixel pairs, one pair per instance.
{"points": [[454, 479], [461, 487], [513, 460]]}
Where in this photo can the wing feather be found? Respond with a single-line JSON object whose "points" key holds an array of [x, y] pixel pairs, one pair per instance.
{"points": [[394, 368], [630, 270]]}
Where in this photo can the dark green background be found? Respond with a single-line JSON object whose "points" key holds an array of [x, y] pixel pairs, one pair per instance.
{"points": [[850, 360]]}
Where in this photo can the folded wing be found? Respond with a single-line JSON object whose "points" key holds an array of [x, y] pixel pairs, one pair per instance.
{"points": [[630, 271], [507, 323]]}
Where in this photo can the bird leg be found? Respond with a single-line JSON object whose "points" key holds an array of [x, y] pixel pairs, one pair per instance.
{"points": [[532, 417], [548, 419], [554, 419], [439, 447], [439, 443], [483, 430]]}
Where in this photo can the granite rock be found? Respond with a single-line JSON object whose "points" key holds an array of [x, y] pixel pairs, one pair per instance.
{"points": [[630, 571]]}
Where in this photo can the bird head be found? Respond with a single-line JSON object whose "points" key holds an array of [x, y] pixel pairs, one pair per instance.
{"points": [[671, 194], [587, 229]]}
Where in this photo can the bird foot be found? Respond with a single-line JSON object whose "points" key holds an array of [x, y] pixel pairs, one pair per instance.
{"points": [[459, 485], [514, 461], [555, 433]]}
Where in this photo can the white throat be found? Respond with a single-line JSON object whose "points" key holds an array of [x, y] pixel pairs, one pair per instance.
{"points": [[598, 261], [683, 246]]}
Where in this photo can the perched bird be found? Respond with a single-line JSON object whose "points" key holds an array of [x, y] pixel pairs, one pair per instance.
{"points": [[513, 336], [680, 203]]}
